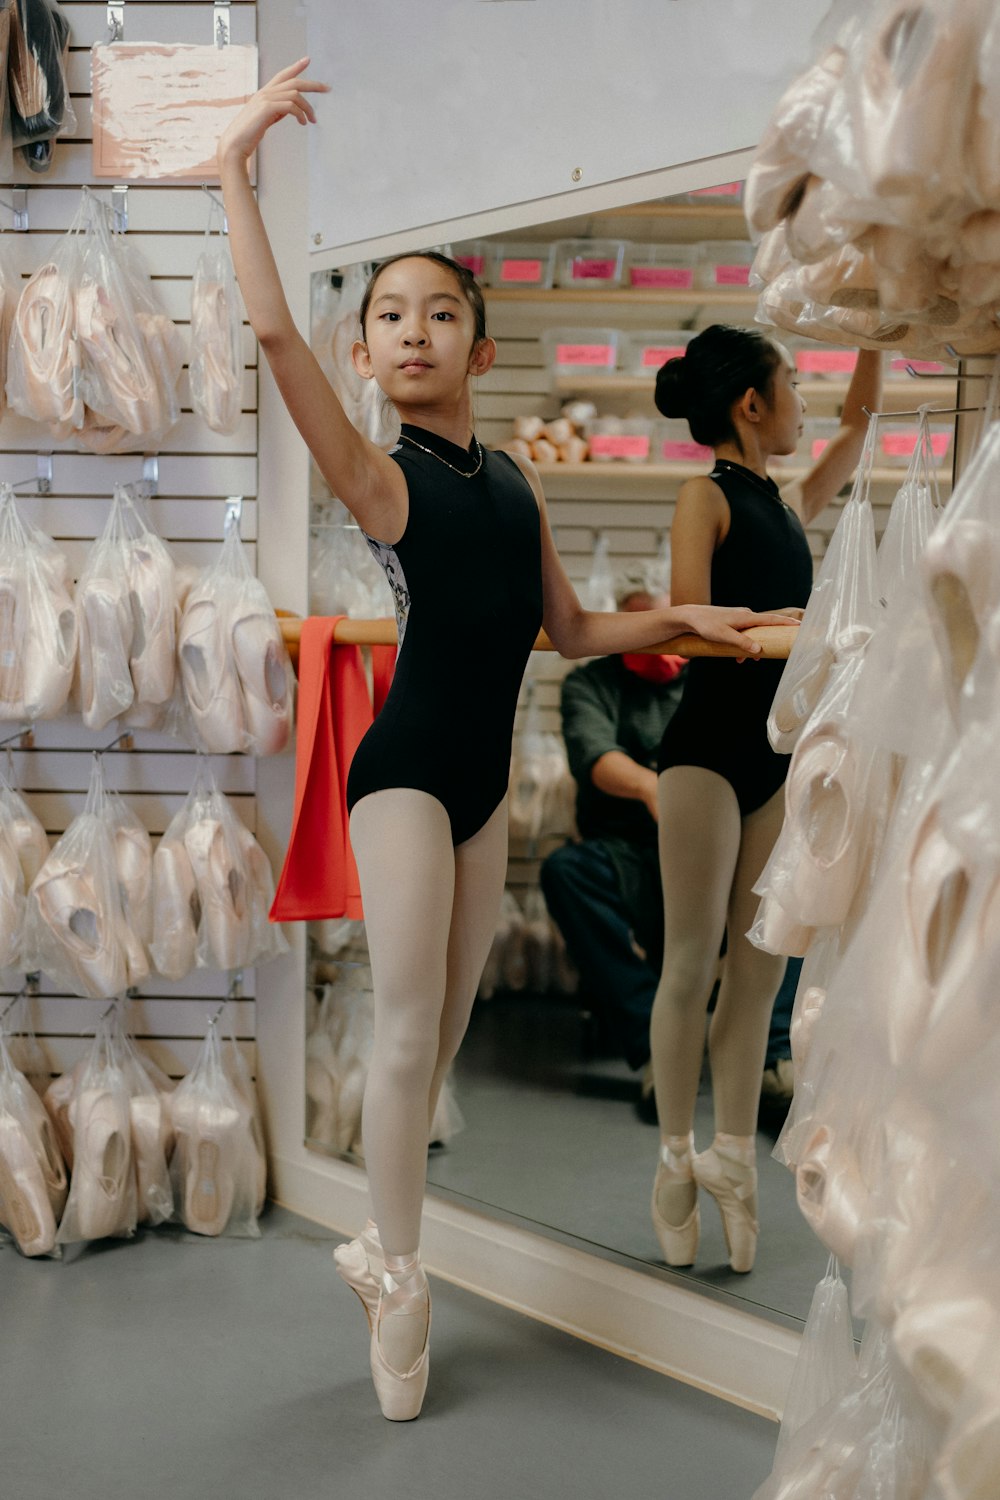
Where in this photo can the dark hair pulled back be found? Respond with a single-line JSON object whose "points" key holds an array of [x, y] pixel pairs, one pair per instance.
{"points": [[468, 283], [718, 366]]}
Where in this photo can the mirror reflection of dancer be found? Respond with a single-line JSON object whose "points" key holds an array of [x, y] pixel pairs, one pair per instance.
{"points": [[463, 537], [734, 536]]}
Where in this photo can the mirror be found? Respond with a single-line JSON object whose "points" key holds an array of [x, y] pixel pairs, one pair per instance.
{"points": [[553, 1134]]}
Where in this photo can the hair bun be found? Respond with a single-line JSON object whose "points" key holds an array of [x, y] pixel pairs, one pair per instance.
{"points": [[673, 387]]}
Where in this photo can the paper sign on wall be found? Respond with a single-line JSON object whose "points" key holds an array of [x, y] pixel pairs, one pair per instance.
{"points": [[159, 109]]}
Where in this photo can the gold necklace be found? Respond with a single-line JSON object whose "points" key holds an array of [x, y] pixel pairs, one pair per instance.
{"points": [[460, 472]]}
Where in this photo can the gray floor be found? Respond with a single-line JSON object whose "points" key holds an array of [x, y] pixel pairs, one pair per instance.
{"points": [[552, 1137], [237, 1370]]}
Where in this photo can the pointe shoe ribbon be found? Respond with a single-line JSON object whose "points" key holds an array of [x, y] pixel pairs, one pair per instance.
{"points": [[401, 1393], [733, 1185]]}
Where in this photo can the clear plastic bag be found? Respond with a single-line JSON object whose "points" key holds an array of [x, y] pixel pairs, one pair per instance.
{"points": [[914, 514], [234, 668], [598, 593], [74, 927], [826, 1365], [212, 890], [43, 356], [840, 617], [367, 407], [215, 1168], [32, 1171], [780, 167], [10, 291], [102, 1199], [338, 1051], [38, 623], [24, 848], [239, 1075], [216, 369], [40, 105]]}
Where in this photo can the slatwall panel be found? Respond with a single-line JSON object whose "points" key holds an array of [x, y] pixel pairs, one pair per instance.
{"points": [[630, 503], [198, 470]]}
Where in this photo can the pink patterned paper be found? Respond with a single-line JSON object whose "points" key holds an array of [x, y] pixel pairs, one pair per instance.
{"points": [[902, 444], [674, 276], [654, 357], [158, 110], [521, 270], [593, 270], [684, 452], [600, 355], [732, 275], [619, 445], [826, 361]]}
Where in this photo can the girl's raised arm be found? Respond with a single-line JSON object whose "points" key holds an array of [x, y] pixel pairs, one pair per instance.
{"points": [[360, 474], [839, 459]]}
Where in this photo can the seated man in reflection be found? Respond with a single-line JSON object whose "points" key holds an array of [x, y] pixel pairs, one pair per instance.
{"points": [[604, 890]]}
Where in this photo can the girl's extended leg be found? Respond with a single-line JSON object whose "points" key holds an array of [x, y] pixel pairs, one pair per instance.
{"points": [[737, 1037], [699, 832], [402, 844], [480, 873]]}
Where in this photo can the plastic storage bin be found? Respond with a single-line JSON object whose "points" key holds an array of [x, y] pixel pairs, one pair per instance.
{"points": [[625, 439], [724, 192], [816, 433], [673, 444], [581, 351], [896, 368], [590, 264], [897, 440], [521, 265], [475, 256], [725, 264], [644, 352], [662, 267]]}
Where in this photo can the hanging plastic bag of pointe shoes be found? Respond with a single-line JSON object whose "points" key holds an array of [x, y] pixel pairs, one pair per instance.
{"points": [[74, 928], [915, 512], [212, 890], [216, 368], [131, 352], [598, 593], [961, 566], [102, 1198], [215, 1166], [366, 406], [32, 1171], [27, 1053], [43, 357], [238, 1072], [107, 627], [152, 1132], [134, 868], [967, 1461], [155, 613], [780, 167], [840, 617], [38, 623], [826, 1365], [40, 104], [237, 679]]}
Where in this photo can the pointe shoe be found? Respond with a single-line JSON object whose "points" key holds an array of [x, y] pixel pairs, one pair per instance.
{"points": [[679, 1234], [105, 614], [152, 595], [50, 651], [25, 1206], [804, 1018], [733, 1185], [825, 784], [11, 904], [176, 911], [155, 1199], [831, 1195], [938, 1336], [359, 1266], [216, 366], [211, 686], [46, 1148], [214, 1145], [102, 1168], [57, 1100], [960, 566], [775, 931], [28, 837], [43, 359], [262, 664], [401, 1393], [221, 891], [85, 937]]}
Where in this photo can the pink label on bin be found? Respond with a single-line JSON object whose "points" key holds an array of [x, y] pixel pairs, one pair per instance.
{"points": [[602, 355], [826, 361], [724, 190], [594, 270], [473, 263], [520, 270], [673, 276], [922, 366], [685, 452], [732, 275], [656, 355], [902, 444], [619, 445]]}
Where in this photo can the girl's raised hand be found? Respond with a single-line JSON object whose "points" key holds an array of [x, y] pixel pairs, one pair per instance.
{"points": [[285, 94]]}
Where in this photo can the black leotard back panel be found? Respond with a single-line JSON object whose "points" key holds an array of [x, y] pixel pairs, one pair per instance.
{"points": [[467, 580], [721, 723]]}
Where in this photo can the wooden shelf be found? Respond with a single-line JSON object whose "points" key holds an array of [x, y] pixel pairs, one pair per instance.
{"points": [[665, 297], [651, 473], [897, 395]]}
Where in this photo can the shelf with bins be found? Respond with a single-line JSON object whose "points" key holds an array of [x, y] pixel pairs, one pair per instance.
{"points": [[898, 395], [652, 472], [692, 297]]}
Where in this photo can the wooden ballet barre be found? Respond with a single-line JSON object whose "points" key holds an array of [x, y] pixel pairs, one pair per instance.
{"points": [[775, 639]]}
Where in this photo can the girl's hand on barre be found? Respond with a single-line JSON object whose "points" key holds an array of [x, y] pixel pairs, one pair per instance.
{"points": [[716, 623], [793, 610], [285, 94]]}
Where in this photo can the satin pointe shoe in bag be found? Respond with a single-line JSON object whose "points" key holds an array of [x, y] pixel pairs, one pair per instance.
{"points": [[25, 1206], [155, 1200], [85, 938], [211, 684], [43, 358], [780, 164], [104, 1188], [674, 1208], [46, 1147], [11, 903], [29, 840], [105, 615], [211, 1137], [776, 932], [831, 1194], [262, 663], [50, 650], [939, 1333], [222, 891], [400, 1343], [152, 595], [825, 784], [803, 1025], [56, 1101], [359, 1265], [176, 911], [960, 566], [733, 1185]]}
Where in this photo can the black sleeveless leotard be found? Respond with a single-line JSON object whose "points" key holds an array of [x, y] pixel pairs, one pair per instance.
{"points": [[466, 576], [721, 722]]}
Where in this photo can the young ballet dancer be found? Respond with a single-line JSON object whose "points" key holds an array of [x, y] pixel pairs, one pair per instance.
{"points": [[463, 537], [734, 536]]}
